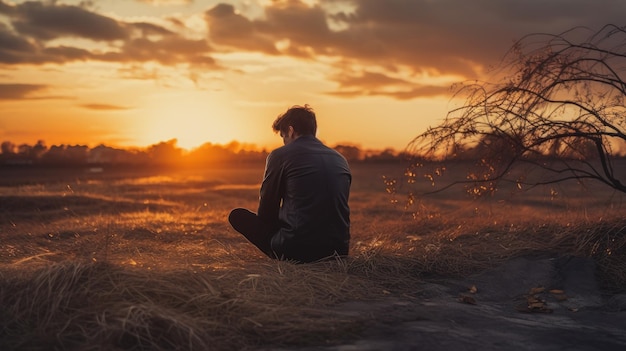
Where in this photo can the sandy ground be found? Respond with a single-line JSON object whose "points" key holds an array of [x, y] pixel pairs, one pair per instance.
{"points": [[526, 304]]}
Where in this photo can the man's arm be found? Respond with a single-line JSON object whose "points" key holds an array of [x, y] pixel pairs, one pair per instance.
{"points": [[271, 192]]}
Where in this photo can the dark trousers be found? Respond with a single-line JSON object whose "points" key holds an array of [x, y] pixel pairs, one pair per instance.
{"points": [[248, 223]]}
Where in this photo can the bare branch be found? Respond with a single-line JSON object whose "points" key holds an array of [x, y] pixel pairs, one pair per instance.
{"points": [[562, 101]]}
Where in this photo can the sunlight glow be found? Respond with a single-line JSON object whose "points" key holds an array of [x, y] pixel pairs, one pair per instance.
{"points": [[192, 118]]}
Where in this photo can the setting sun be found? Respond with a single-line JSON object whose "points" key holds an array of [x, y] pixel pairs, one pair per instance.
{"points": [[192, 118], [142, 72]]}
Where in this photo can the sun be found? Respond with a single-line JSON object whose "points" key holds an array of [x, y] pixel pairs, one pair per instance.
{"points": [[188, 131], [191, 119]]}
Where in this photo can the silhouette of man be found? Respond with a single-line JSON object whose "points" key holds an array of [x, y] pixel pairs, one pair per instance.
{"points": [[303, 212]]}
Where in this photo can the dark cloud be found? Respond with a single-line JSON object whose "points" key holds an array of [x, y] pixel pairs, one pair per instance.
{"points": [[457, 36], [13, 48], [298, 22], [46, 21], [20, 50], [34, 24], [61, 54], [444, 37], [10, 41], [369, 80], [20, 91], [228, 28]]}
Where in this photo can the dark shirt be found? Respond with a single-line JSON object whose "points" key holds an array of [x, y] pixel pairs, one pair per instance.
{"points": [[304, 199]]}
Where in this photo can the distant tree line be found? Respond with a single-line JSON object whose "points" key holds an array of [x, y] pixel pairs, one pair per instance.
{"points": [[165, 153]]}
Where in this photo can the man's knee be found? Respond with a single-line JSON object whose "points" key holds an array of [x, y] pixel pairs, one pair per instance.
{"points": [[240, 216]]}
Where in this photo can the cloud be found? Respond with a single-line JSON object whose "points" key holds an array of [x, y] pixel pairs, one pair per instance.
{"points": [[370, 46], [104, 107], [61, 54], [409, 94], [457, 36], [20, 91], [374, 83], [14, 49], [443, 38], [386, 35], [167, 51], [36, 24], [46, 21], [166, 2], [227, 28], [151, 29]]}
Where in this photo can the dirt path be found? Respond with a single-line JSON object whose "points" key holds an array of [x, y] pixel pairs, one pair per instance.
{"points": [[526, 304]]}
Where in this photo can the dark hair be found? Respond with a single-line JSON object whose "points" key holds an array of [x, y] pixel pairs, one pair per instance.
{"points": [[301, 118]]}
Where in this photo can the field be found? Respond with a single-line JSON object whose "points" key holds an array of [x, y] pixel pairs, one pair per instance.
{"points": [[145, 259]]}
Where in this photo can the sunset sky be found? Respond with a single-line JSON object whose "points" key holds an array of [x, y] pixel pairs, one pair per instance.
{"points": [[136, 72]]}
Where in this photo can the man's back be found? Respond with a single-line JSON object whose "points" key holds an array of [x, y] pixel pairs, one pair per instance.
{"points": [[313, 183], [303, 208]]}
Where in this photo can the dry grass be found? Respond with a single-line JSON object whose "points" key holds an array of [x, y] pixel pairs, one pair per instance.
{"points": [[459, 253], [69, 305], [151, 264]]}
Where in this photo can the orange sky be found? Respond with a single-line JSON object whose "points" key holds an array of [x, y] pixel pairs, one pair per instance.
{"points": [[136, 72]]}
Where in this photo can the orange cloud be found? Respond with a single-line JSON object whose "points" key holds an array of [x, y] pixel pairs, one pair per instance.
{"points": [[104, 107], [371, 84], [166, 2]]}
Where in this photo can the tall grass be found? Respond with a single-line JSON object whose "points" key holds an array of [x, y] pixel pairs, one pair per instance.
{"points": [[70, 305], [158, 268]]}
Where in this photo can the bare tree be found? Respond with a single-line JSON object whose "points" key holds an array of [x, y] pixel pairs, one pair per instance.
{"points": [[558, 105]]}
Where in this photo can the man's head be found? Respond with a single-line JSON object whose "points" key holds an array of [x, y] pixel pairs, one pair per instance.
{"points": [[297, 121]]}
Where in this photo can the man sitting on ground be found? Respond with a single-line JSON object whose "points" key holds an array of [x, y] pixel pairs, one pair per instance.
{"points": [[303, 212]]}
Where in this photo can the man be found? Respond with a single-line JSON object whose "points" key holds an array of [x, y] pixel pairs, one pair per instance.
{"points": [[303, 212]]}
